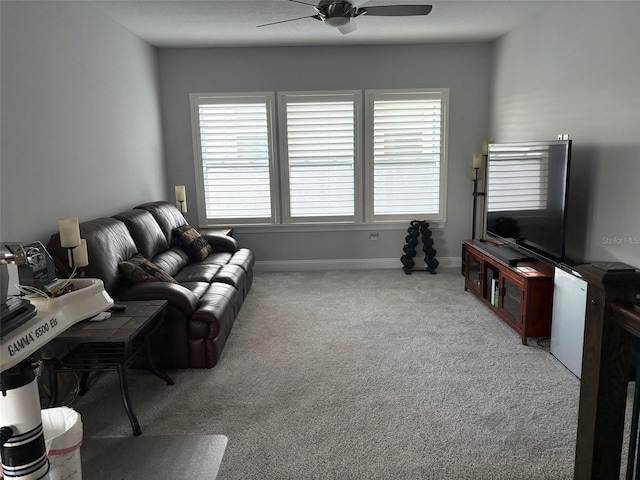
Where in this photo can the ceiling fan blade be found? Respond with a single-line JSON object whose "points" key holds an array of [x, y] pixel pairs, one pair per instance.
{"points": [[395, 10], [303, 3], [284, 21], [348, 28]]}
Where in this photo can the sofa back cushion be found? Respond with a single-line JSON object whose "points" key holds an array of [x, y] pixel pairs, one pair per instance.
{"points": [[172, 260], [108, 243], [145, 231], [167, 216]]}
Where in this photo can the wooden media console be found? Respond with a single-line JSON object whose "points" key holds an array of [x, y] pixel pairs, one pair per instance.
{"points": [[520, 292]]}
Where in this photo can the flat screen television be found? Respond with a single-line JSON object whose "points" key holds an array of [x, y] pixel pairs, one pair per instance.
{"points": [[527, 187]]}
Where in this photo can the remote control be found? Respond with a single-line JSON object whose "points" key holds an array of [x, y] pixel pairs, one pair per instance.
{"points": [[118, 307], [99, 317]]}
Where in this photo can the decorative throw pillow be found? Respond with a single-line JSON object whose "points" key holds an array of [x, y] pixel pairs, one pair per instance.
{"points": [[138, 269], [192, 242]]}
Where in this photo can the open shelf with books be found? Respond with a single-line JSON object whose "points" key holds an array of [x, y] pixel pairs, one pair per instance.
{"points": [[521, 295], [492, 292]]}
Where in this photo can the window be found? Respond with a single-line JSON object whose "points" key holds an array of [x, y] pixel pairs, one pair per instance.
{"points": [[320, 160], [309, 168], [406, 142], [234, 160]]}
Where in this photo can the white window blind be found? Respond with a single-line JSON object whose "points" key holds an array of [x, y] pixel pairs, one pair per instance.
{"points": [[407, 143], [315, 171], [319, 143], [234, 151], [517, 180]]}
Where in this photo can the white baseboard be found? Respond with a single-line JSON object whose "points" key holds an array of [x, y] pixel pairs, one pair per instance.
{"points": [[344, 264]]}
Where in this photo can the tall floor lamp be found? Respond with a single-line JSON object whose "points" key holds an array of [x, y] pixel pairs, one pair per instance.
{"points": [[476, 165]]}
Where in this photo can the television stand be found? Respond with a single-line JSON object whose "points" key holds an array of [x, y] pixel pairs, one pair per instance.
{"points": [[502, 253], [521, 295]]}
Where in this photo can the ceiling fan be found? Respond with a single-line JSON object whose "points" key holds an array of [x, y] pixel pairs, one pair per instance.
{"points": [[340, 14]]}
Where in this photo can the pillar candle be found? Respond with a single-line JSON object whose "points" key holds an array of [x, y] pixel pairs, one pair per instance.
{"points": [[477, 160], [181, 194], [69, 232], [80, 255]]}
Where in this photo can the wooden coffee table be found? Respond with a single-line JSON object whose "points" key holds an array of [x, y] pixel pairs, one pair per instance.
{"points": [[110, 344]]}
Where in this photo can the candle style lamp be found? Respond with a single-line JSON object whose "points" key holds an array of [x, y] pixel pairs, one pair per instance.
{"points": [[79, 256], [476, 164], [70, 239], [181, 198]]}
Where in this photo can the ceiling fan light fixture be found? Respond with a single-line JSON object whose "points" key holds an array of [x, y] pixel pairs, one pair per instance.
{"points": [[337, 21], [340, 13]]}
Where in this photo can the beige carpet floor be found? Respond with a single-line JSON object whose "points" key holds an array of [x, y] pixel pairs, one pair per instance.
{"points": [[363, 375]]}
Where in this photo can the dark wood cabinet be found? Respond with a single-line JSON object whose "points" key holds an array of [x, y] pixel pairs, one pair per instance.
{"points": [[520, 295]]}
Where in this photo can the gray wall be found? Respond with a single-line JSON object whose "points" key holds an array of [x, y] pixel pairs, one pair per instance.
{"points": [[576, 69], [464, 68], [81, 132]]}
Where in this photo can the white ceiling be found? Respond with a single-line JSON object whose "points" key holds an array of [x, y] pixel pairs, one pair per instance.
{"points": [[205, 23]]}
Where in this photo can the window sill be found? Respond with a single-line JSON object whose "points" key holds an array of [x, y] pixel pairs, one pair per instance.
{"points": [[322, 227]]}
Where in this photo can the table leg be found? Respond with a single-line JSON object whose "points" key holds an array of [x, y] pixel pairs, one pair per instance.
{"points": [[124, 392], [84, 383], [152, 365], [53, 384]]}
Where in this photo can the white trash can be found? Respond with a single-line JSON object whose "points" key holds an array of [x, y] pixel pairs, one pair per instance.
{"points": [[63, 437]]}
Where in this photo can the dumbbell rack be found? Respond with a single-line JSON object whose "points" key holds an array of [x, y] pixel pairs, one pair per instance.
{"points": [[419, 230]]}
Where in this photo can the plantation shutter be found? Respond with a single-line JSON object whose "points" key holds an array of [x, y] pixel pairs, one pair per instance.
{"points": [[518, 180], [407, 150], [320, 147], [235, 148]]}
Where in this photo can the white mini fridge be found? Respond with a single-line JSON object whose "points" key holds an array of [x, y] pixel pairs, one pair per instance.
{"points": [[568, 318]]}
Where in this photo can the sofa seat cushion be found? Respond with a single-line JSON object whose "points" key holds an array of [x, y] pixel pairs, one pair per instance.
{"points": [[235, 276], [197, 288], [244, 258], [196, 272], [172, 260], [218, 258]]}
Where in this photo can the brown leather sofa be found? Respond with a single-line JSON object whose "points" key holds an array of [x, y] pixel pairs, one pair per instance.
{"points": [[202, 305]]}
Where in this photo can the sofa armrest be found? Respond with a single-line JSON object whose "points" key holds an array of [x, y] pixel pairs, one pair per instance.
{"points": [[178, 296], [219, 242]]}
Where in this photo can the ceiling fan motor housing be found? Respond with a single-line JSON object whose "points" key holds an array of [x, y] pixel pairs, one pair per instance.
{"points": [[340, 13], [336, 10]]}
